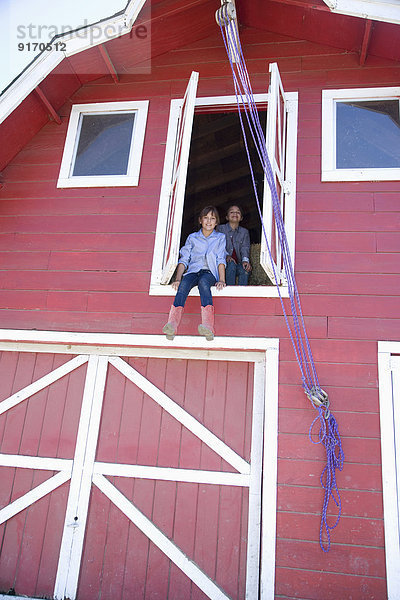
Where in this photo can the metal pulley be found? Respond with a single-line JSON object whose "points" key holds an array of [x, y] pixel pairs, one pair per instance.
{"points": [[226, 13], [226, 18], [319, 398]]}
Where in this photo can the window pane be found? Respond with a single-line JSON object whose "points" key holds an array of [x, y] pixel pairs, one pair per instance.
{"points": [[367, 134], [104, 144]]}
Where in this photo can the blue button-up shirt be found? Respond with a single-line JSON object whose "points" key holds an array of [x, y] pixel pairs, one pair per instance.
{"points": [[201, 252]]}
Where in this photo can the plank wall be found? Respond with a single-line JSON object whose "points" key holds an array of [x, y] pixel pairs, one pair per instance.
{"points": [[80, 260]]}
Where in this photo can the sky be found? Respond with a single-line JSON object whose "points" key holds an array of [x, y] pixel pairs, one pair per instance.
{"points": [[25, 24]]}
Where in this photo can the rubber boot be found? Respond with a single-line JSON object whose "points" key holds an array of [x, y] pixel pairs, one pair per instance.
{"points": [[174, 318], [207, 322]]}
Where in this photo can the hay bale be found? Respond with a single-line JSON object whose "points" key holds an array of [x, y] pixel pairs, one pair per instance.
{"points": [[257, 276]]}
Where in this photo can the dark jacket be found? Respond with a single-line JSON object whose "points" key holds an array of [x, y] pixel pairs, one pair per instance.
{"points": [[236, 238]]}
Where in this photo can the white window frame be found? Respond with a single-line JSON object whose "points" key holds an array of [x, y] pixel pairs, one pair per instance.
{"points": [[389, 407], [329, 100], [157, 287], [67, 180]]}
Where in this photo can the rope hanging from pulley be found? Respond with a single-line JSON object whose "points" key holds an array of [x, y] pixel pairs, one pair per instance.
{"points": [[328, 434]]}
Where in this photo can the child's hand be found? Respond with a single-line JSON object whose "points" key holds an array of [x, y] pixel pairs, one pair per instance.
{"points": [[220, 285], [246, 266], [175, 285]]}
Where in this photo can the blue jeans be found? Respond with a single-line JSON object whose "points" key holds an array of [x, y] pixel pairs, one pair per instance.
{"points": [[233, 270], [203, 279]]}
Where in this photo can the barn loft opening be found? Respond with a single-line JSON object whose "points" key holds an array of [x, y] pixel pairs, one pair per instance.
{"points": [[219, 174]]}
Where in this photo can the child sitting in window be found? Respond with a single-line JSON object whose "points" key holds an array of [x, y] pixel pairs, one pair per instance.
{"points": [[203, 259], [237, 246]]}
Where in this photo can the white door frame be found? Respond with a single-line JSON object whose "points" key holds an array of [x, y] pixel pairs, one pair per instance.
{"points": [[389, 408], [101, 350]]}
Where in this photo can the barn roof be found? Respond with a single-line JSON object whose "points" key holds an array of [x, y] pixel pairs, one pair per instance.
{"points": [[74, 42], [53, 77], [379, 10]]}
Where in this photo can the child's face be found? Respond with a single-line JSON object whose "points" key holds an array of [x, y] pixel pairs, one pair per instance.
{"points": [[208, 223], [234, 215]]}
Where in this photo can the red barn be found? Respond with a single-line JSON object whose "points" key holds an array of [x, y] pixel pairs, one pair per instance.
{"points": [[134, 467]]}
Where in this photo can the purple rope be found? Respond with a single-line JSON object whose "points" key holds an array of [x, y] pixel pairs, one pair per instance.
{"points": [[328, 434], [245, 94]]}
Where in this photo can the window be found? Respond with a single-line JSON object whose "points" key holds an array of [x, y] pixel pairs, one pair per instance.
{"points": [[206, 163], [361, 134], [104, 145], [389, 407]]}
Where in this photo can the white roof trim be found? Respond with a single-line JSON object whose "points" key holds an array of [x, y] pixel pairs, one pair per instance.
{"points": [[75, 42], [377, 10]]}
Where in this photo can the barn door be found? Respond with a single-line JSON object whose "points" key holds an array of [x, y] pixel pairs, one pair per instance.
{"points": [[159, 487], [175, 496], [39, 419]]}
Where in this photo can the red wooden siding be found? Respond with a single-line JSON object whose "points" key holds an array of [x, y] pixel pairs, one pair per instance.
{"points": [[80, 259]]}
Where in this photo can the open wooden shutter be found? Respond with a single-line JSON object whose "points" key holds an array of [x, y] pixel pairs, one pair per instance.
{"points": [[276, 140], [180, 134]]}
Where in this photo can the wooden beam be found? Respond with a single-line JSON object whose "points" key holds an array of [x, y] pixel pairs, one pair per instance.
{"points": [[224, 122], [221, 179], [49, 107], [109, 64], [366, 41], [70, 64], [218, 154]]}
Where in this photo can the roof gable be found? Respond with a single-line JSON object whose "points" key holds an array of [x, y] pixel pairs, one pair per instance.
{"points": [[71, 43]]}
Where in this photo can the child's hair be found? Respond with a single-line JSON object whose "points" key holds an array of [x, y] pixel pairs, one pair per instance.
{"points": [[210, 209]]}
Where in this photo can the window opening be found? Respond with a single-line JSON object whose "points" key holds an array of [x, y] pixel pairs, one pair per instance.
{"points": [[177, 218], [219, 174]]}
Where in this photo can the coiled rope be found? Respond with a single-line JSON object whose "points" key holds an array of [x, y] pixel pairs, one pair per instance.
{"points": [[328, 434]]}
